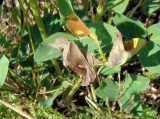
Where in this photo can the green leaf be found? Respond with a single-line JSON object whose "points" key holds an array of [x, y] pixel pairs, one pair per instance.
{"points": [[86, 43], [82, 15], [4, 63], [52, 24], [46, 52], [130, 28], [108, 88], [104, 32], [151, 6], [137, 106], [48, 102], [118, 5], [65, 8], [134, 85], [154, 30], [105, 70], [149, 56]]}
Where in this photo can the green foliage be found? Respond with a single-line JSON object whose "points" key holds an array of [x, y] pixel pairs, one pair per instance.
{"points": [[149, 57], [39, 111], [35, 86], [52, 96], [153, 30], [108, 89], [151, 6], [65, 7], [130, 28], [118, 5], [104, 32], [149, 113], [134, 85], [4, 63], [105, 70], [46, 52]]}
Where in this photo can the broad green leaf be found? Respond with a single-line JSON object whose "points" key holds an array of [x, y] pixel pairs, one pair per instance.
{"points": [[118, 5], [48, 102], [130, 28], [149, 57], [46, 52], [108, 88], [104, 32], [87, 43], [134, 85], [155, 33], [65, 8], [4, 63], [105, 70], [151, 6]]}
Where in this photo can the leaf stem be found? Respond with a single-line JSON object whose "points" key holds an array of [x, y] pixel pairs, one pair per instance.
{"points": [[100, 50], [73, 91], [99, 10]]}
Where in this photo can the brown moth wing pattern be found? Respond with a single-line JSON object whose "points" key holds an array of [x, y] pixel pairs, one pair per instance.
{"points": [[118, 55], [60, 43], [90, 58], [74, 60]]}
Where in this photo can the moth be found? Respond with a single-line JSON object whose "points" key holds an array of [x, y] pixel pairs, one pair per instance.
{"points": [[78, 60]]}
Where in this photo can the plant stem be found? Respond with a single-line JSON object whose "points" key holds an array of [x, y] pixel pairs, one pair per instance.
{"points": [[130, 14], [99, 10], [73, 91], [43, 31], [108, 107], [57, 68], [100, 51], [20, 39], [93, 92], [91, 8], [37, 16], [16, 110], [46, 6], [86, 5]]}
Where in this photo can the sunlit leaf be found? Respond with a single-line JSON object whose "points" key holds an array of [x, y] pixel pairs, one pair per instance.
{"points": [[151, 6], [118, 55], [108, 88], [134, 85], [130, 28], [118, 5], [77, 27], [133, 46], [4, 63], [65, 7], [154, 31], [44, 52], [149, 57]]}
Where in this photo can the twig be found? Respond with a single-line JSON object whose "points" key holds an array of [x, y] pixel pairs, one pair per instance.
{"points": [[16, 110], [54, 90], [116, 99], [93, 92], [20, 39]]}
